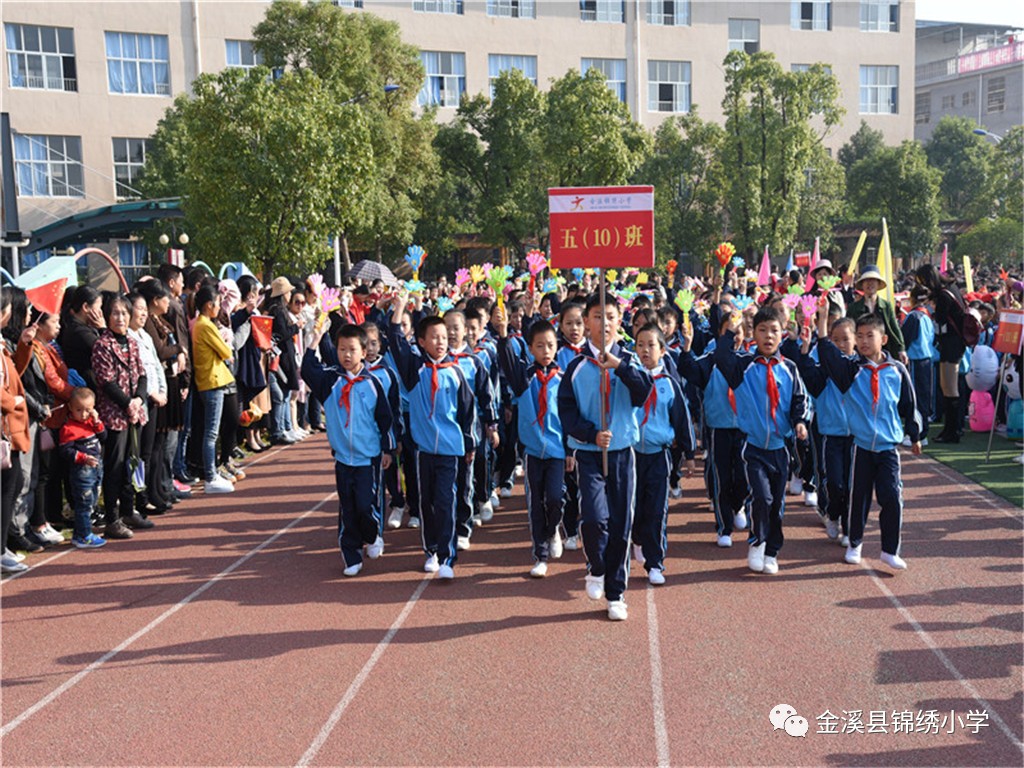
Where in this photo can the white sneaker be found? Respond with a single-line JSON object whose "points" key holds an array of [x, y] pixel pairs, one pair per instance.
{"points": [[431, 566], [555, 546], [905, 442], [414, 522], [844, 540], [296, 435], [755, 558], [539, 571], [810, 499], [638, 553], [446, 572], [739, 521], [486, 512], [218, 485], [595, 586], [352, 570], [571, 543], [656, 576], [894, 561], [924, 443], [725, 541], [832, 528], [9, 565], [395, 517], [494, 501], [796, 486], [477, 520], [506, 493], [771, 565], [51, 534], [462, 543], [17, 556], [617, 610], [853, 554], [519, 470], [375, 550], [675, 493]]}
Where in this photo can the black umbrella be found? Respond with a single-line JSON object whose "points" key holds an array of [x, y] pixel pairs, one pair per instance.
{"points": [[369, 271]]}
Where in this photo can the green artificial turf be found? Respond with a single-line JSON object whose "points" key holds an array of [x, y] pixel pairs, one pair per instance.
{"points": [[1001, 475]]}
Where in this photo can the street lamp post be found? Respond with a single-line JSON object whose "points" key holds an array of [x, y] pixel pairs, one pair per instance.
{"points": [[983, 132]]}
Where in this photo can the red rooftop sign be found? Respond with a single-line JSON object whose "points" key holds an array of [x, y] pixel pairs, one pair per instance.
{"points": [[601, 226], [992, 57]]}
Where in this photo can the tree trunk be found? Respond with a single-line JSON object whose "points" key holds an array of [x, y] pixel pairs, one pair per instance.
{"points": [[380, 252], [346, 261]]}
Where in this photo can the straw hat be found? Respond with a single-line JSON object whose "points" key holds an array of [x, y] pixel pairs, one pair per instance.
{"points": [[280, 286], [871, 272]]}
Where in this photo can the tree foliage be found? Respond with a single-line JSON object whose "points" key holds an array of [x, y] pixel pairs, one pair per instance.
{"points": [[866, 141], [771, 140], [996, 241], [822, 201], [898, 183], [965, 160], [1007, 176], [687, 174]]}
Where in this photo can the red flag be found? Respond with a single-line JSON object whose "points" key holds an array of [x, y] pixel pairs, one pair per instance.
{"points": [[262, 329], [48, 297]]}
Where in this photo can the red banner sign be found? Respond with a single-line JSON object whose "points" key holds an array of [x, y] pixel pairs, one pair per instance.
{"points": [[802, 259], [991, 57], [1009, 333], [601, 226]]}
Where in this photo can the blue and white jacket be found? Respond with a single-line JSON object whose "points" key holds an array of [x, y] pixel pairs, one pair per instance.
{"points": [[747, 373], [579, 403], [919, 335], [877, 397], [388, 379], [719, 401], [664, 418], [829, 410], [542, 439], [476, 374], [360, 422]]}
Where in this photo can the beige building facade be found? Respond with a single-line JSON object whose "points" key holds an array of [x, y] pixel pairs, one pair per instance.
{"points": [[85, 82]]}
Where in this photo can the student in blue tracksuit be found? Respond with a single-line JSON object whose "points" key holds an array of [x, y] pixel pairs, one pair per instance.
{"points": [[407, 455], [442, 418], [572, 334], [535, 392], [771, 407], [724, 471], [360, 430], [831, 429], [486, 426], [508, 449], [664, 424], [388, 379], [918, 330], [604, 379], [483, 464], [878, 395]]}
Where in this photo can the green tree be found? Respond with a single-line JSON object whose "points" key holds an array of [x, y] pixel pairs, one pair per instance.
{"points": [[965, 160], [363, 60], [995, 241], [1007, 177], [687, 175], [822, 201], [774, 120], [866, 141], [264, 166], [899, 184]]}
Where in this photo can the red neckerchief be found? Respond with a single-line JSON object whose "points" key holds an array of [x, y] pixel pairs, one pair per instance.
{"points": [[652, 399], [575, 350], [874, 382], [732, 400], [921, 309], [346, 394], [773, 386], [542, 397], [434, 383]]}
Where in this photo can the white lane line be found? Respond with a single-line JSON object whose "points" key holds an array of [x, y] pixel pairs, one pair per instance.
{"points": [[971, 690], [57, 556], [657, 687], [364, 673], [76, 679], [987, 496]]}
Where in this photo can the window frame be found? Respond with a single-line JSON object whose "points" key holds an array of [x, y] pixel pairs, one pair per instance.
{"points": [[655, 84], [815, 23], [995, 95], [43, 158], [871, 17], [445, 7], [603, 11], [600, 65], [133, 168], [136, 62], [493, 58], [425, 97], [516, 9], [679, 17], [19, 55], [257, 58], [743, 41], [875, 89], [922, 108]]}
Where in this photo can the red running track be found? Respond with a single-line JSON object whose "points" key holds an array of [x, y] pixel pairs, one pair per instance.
{"points": [[228, 636]]}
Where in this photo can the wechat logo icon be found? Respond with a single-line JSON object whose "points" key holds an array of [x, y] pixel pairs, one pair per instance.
{"points": [[785, 717]]}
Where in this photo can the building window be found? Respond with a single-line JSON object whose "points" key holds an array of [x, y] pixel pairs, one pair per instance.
{"points": [[348, 3], [923, 107], [995, 94], [613, 11], [129, 157], [879, 88], [133, 257], [668, 86], [969, 98], [614, 71], [669, 13], [512, 9], [240, 53], [813, 15], [138, 63], [48, 166], [879, 15], [948, 102], [501, 62], [446, 78], [41, 57], [745, 35], [438, 6]]}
